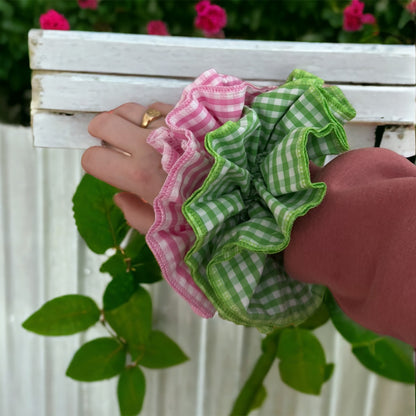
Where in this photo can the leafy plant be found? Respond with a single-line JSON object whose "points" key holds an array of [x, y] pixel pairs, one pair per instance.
{"points": [[131, 342], [302, 363]]}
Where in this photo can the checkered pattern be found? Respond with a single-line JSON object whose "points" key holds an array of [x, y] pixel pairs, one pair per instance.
{"points": [[258, 185], [209, 102]]}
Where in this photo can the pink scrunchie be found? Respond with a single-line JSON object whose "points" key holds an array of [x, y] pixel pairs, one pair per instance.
{"points": [[210, 101]]}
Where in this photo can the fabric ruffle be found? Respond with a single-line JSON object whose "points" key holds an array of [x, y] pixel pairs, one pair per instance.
{"points": [[206, 104], [258, 185]]}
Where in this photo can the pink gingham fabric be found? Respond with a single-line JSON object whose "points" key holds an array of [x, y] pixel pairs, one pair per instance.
{"points": [[206, 104]]}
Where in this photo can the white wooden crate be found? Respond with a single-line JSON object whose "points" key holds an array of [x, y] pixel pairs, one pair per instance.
{"points": [[77, 74]]}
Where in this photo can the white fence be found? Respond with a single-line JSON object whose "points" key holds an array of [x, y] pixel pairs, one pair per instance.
{"points": [[41, 257]]}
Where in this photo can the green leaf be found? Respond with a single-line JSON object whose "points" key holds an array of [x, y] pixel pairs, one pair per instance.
{"points": [[388, 357], [145, 268], [143, 264], [115, 265], [405, 18], [98, 359], [119, 291], [351, 331], [64, 315], [319, 318], [137, 259], [259, 398], [329, 370], [162, 352], [100, 222], [132, 321], [383, 355], [302, 363], [131, 389], [136, 242]]}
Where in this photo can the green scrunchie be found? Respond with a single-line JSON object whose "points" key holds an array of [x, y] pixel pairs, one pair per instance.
{"points": [[259, 184]]}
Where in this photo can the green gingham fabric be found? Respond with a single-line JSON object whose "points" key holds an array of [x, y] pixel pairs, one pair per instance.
{"points": [[259, 184]]}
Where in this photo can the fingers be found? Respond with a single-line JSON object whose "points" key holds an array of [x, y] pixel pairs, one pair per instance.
{"points": [[138, 214], [136, 167], [141, 175], [134, 112], [118, 132], [120, 128]]}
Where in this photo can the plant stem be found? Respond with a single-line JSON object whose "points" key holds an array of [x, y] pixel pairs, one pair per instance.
{"points": [[247, 395]]}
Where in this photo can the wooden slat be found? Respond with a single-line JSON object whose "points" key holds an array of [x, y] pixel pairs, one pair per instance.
{"points": [[188, 57], [70, 131], [68, 92]]}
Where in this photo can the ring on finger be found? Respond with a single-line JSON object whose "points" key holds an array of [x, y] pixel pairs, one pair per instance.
{"points": [[151, 114]]}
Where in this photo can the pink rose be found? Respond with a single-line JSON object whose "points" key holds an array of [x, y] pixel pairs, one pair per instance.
{"points": [[411, 7], [210, 17], [88, 4], [53, 20], [157, 27], [354, 18]]}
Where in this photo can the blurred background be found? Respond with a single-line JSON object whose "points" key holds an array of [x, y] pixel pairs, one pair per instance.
{"points": [[291, 20]]}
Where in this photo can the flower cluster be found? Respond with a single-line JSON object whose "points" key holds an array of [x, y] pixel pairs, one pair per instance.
{"points": [[52, 20], [211, 19], [411, 7], [355, 18], [88, 4], [157, 27]]}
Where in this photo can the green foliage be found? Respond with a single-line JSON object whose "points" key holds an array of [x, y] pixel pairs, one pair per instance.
{"points": [[119, 291], [302, 361], [383, 355], [259, 398], [100, 222], [127, 306], [253, 391], [131, 389], [98, 359], [132, 320], [161, 352], [65, 315], [319, 318], [285, 20], [135, 259], [134, 344]]}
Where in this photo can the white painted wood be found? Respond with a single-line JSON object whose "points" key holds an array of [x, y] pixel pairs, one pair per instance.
{"points": [[400, 139], [188, 57], [41, 257], [100, 71], [54, 131], [68, 92]]}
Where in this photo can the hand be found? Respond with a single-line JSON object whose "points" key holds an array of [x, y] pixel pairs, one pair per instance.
{"points": [[126, 161]]}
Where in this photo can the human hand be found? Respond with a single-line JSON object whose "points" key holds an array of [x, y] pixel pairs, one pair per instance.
{"points": [[126, 161]]}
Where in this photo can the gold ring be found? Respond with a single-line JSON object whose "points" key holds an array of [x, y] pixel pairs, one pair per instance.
{"points": [[150, 115]]}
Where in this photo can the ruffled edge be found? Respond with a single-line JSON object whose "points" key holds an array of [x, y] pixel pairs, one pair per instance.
{"points": [[211, 100], [338, 110]]}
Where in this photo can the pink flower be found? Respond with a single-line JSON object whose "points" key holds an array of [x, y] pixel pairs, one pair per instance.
{"points": [[53, 20], [354, 18], [157, 27], [411, 7], [88, 4], [210, 17]]}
